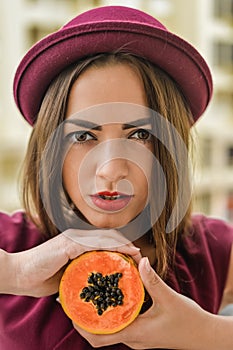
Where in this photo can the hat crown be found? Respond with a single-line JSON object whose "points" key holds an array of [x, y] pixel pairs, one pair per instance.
{"points": [[114, 14]]}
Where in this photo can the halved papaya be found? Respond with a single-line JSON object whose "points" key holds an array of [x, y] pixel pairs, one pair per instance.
{"points": [[101, 291]]}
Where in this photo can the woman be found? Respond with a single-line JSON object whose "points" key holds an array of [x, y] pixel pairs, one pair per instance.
{"points": [[111, 97]]}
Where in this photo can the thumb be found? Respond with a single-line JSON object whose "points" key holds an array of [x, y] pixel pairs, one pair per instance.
{"points": [[154, 285]]}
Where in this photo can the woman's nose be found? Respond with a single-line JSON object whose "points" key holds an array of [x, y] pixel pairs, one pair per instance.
{"points": [[113, 170]]}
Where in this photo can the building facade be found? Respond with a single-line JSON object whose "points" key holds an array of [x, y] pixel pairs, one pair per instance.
{"points": [[207, 24]]}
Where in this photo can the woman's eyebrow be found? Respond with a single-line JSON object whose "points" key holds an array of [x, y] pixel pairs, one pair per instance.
{"points": [[84, 123], [90, 125], [136, 123]]}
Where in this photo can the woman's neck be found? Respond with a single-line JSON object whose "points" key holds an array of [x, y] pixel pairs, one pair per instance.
{"points": [[147, 246]]}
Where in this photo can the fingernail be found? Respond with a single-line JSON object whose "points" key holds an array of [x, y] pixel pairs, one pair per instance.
{"points": [[136, 248], [147, 264]]}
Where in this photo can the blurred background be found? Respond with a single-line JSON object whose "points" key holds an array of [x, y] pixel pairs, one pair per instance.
{"points": [[207, 24]]}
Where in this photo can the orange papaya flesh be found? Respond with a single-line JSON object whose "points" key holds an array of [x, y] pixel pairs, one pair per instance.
{"points": [[101, 291]]}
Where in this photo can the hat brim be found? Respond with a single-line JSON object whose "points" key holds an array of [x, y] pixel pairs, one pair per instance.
{"points": [[54, 53]]}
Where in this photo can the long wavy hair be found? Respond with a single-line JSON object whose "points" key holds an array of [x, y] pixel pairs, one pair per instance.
{"points": [[164, 97]]}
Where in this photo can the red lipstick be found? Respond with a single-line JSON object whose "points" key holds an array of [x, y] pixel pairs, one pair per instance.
{"points": [[111, 201]]}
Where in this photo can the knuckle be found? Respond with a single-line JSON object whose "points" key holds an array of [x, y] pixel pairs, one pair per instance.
{"points": [[153, 280], [95, 343]]}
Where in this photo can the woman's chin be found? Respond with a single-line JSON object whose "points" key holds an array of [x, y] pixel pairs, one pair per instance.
{"points": [[108, 224], [114, 220]]}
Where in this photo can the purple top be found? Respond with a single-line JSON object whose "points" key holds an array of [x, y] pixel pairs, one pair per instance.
{"points": [[40, 323]]}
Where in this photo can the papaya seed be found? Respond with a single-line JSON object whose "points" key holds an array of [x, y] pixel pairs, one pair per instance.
{"points": [[103, 291]]}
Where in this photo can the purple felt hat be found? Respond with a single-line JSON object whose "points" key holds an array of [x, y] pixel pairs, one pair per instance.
{"points": [[106, 29]]}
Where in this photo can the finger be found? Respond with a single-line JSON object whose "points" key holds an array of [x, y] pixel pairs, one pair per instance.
{"points": [[131, 250], [47, 258], [155, 286], [103, 240], [99, 340], [54, 281], [98, 239], [52, 255], [48, 287]]}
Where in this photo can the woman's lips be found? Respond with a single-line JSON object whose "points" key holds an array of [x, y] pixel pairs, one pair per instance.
{"points": [[111, 201]]}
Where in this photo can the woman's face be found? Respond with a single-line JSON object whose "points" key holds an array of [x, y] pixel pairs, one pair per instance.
{"points": [[105, 181]]}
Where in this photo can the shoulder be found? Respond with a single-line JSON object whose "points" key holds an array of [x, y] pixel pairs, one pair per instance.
{"points": [[202, 260], [215, 231], [211, 223], [212, 236], [17, 232]]}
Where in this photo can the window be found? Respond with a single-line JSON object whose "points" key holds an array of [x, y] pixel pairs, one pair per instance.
{"points": [[223, 9], [223, 55], [96, 2], [35, 33], [230, 155]]}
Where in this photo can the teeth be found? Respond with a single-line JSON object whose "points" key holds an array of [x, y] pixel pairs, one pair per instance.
{"points": [[110, 197]]}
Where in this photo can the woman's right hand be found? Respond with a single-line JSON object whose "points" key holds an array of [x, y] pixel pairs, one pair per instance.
{"points": [[37, 271], [173, 322]]}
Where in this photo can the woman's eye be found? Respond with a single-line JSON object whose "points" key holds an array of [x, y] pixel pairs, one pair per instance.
{"points": [[81, 137], [141, 134]]}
